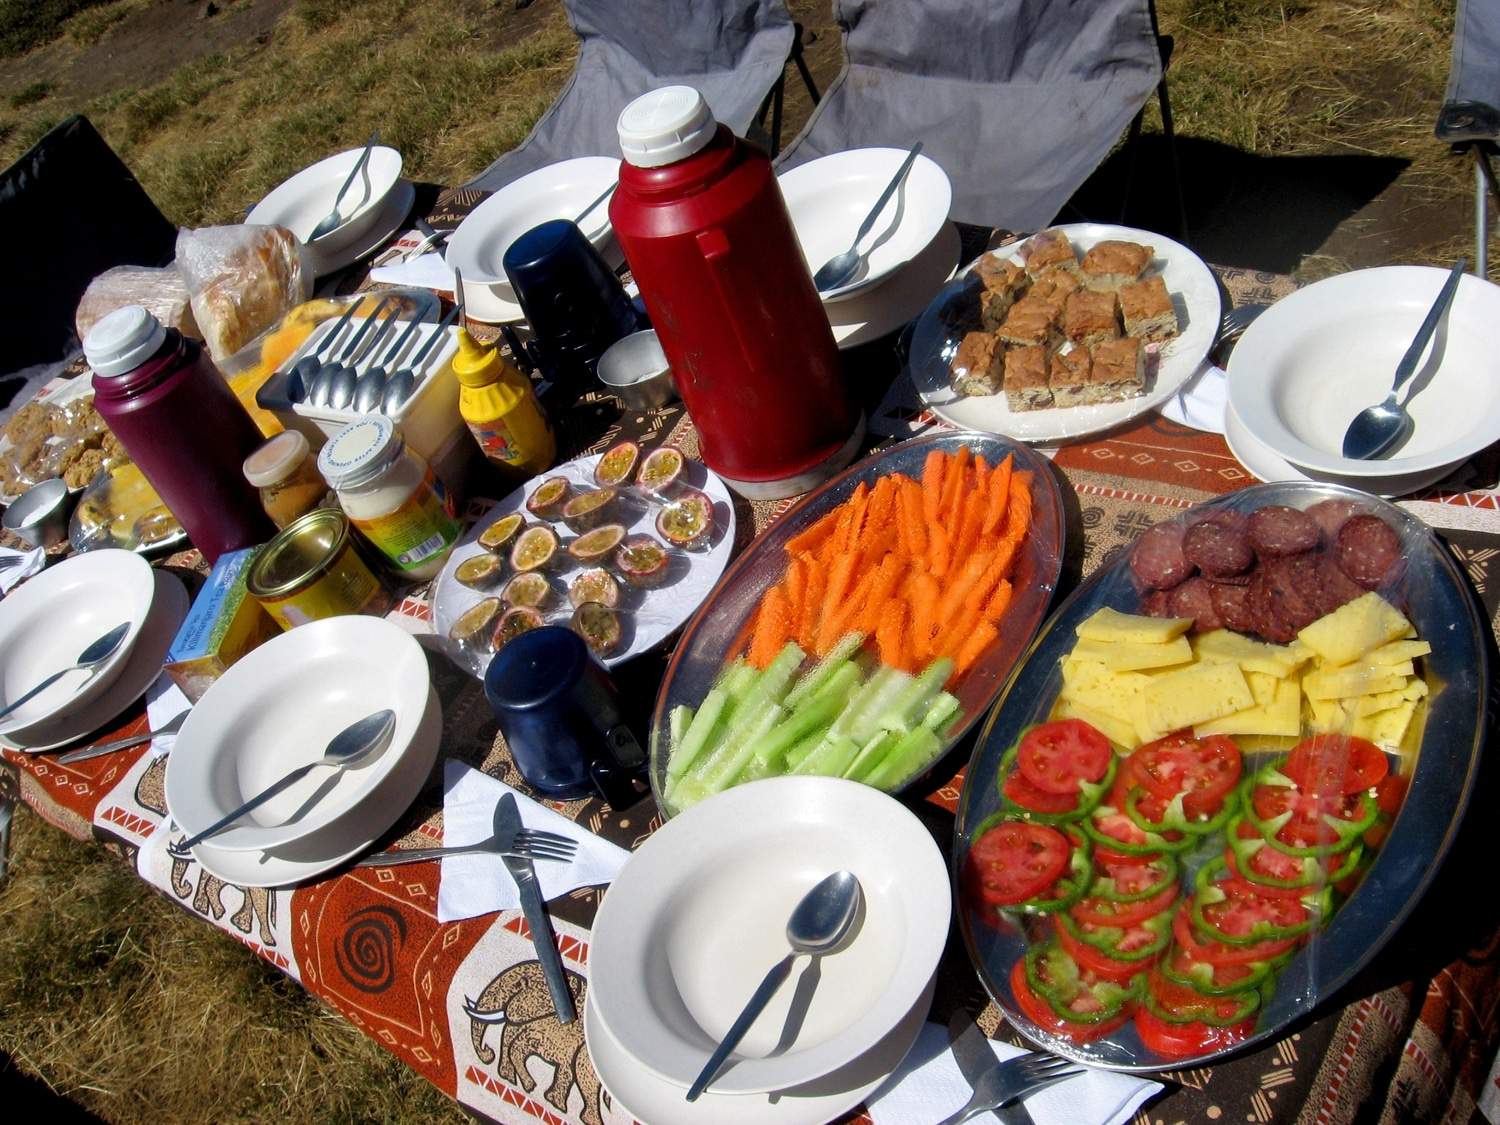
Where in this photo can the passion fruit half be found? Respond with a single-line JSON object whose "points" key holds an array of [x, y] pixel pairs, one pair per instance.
{"points": [[481, 572], [499, 534], [534, 549], [616, 464], [661, 470], [475, 627], [589, 509], [594, 585], [599, 626], [592, 546], [515, 621], [642, 560], [548, 499], [687, 520], [529, 589]]}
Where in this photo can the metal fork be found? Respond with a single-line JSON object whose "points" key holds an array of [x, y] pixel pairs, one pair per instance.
{"points": [[1012, 1080], [529, 843]]}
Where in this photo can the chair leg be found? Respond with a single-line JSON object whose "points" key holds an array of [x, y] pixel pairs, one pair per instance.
{"points": [[1170, 133], [1132, 151], [1484, 177], [807, 78]]}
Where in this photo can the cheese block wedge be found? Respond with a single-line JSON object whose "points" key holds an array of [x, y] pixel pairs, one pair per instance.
{"points": [[1114, 627], [1354, 629]]}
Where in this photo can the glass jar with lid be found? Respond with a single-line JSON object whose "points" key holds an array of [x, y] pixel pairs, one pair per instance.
{"points": [[287, 476], [391, 496]]}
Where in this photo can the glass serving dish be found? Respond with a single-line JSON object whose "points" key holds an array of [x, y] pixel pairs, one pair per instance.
{"points": [[1441, 775], [719, 629]]}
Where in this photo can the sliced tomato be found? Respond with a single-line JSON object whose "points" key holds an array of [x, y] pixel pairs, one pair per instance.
{"points": [[1306, 828], [1056, 756], [1097, 961], [1185, 1040], [1106, 912], [1128, 879], [1269, 863], [1105, 856], [1218, 953], [1222, 978], [1389, 793], [1245, 911], [1014, 861], [1028, 796], [1204, 770], [1336, 763], [1238, 884], [1182, 1003], [1039, 1012]]}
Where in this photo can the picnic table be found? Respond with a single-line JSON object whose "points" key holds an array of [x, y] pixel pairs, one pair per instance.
{"points": [[1412, 1038]]}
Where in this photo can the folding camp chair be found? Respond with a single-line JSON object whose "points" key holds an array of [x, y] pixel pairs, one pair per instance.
{"points": [[1018, 100], [734, 51], [1470, 117]]}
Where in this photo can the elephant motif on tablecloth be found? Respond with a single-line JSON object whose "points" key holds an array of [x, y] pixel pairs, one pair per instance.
{"points": [[151, 789], [208, 900], [518, 999]]}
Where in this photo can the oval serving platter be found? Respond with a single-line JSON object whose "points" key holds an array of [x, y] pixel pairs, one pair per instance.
{"points": [[1440, 606], [724, 618]]}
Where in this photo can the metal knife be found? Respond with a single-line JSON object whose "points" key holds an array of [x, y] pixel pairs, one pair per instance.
{"points": [[508, 821], [971, 1050], [103, 748]]}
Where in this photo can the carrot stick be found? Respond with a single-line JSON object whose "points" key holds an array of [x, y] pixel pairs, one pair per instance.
{"points": [[794, 582], [934, 471], [813, 537], [772, 628], [995, 608], [890, 634], [953, 484], [969, 526], [999, 495], [999, 569], [913, 529], [812, 604], [887, 577], [882, 507], [840, 575], [939, 550], [858, 504], [845, 615], [981, 473], [924, 600], [973, 647], [1018, 507], [879, 542]]}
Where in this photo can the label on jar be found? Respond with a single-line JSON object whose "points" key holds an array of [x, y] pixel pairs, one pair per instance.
{"points": [[423, 526], [347, 587]]}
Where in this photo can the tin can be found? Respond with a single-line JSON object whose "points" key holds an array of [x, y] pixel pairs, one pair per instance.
{"points": [[311, 571]]}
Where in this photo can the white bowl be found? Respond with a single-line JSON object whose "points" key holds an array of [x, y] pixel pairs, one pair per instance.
{"points": [[830, 197], [558, 191], [1318, 357], [277, 709], [47, 622], [698, 915], [302, 202]]}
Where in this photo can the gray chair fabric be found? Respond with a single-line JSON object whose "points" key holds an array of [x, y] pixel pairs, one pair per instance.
{"points": [[733, 51], [1017, 100], [1471, 104]]}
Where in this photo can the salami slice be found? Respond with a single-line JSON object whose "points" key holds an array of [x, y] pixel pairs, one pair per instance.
{"points": [[1194, 598], [1157, 558], [1157, 603], [1219, 545], [1232, 604], [1368, 550], [1276, 530], [1285, 596], [1338, 588], [1330, 515]]}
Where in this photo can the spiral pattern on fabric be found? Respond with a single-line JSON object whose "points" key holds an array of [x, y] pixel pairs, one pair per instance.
{"points": [[367, 952]]}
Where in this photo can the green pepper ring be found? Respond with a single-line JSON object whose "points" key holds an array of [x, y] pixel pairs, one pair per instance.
{"points": [[1173, 872], [1059, 1006], [1259, 931], [1201, 828], [1164, 919]]}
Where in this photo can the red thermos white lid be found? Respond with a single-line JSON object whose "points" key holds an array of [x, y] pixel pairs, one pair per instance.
{"points": [[123, 340], [665, 126]]}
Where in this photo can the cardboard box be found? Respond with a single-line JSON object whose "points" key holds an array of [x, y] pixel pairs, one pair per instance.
{"points": [[224, 623]]}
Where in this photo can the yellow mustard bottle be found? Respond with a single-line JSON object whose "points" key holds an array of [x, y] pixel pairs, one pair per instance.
{"points": [[501, 410]]}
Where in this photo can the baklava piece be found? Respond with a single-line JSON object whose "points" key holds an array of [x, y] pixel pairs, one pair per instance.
{"points": [[1031, 321], [1054, 287], [1089, 318], [1001, 275], [1148, 310], [1026, 373], [1069, 377], [1111, 264], [1118, 370], [1049, 250], [994, 307], [978, 365]]}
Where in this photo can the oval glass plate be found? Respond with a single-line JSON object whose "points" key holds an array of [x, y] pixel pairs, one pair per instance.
{"points": [[1440, 605], [722, 622]]}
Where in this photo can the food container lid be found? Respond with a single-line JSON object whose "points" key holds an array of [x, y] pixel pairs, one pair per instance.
{"points": [[123, 340], [665, 126], [277, 459], [359, 452], [302, 550]]}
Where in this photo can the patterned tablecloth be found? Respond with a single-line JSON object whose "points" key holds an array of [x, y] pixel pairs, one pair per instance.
{"points": [[1412, 1039]]}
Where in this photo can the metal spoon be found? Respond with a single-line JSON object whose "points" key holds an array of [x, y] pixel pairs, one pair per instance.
{"points": [[341, 389], [817, 926], [349, 747], [841, 268], [89, 659], [371, 386], [1376, 428], [322, 383], [331, 221], [605, 194], [399, 387], [300, 378]]}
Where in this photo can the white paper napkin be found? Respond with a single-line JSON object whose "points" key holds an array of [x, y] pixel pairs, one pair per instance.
{"points": [[928, 1086], [164, 702], [1201, 401], [479, 884], [13, 574], [427, 272]]}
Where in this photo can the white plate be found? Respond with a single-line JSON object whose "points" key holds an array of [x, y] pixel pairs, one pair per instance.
{"points": [[53, 617], [698, 914], [169, 607], [649, 616], [392, 217], [830, 197], [1318, 357], [558, 191], [1194, 292], [1268, 465], [276, 709], [335, 845], [886, 307], [302, 202], [647, 1098]]}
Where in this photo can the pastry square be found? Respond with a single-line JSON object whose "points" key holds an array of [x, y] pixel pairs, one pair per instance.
{"points": [[1070, 377], [1001, 275], [1119, 370], [1026, 372], [1049, 250], [1089, 318], [994, 306], [1112, 263], [978, 364], [1147, 309], [1030, 322]]}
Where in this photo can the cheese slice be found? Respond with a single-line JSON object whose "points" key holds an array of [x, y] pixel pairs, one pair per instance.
{"points": [[1388, 728], [1119, 731], [1197, 694], [1263, 686], [1354, 629], [1117, 693], [1282, 715], [1326, 715], [1222, 646], [1129, 656], [1398, 651], [1114, 627], [1357, 679]]}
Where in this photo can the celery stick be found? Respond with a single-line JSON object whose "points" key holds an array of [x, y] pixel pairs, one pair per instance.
{"points": [[678, 721], [861, 698], [870, 754], [867, 722], [738, 680], [909, 755], [699, 731], [798, 753], [721, 771], [837, 657], [943, 708], [777, 678], [687, 794], [814, 716], [901, 714], [830, 758]]}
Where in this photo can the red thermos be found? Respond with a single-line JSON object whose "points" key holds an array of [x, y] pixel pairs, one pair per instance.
{"points": [[704, 227], [181, 424]]}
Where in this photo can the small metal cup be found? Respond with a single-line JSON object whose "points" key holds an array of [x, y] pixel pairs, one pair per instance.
{"points": [[635, 370], [40, 514]]}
